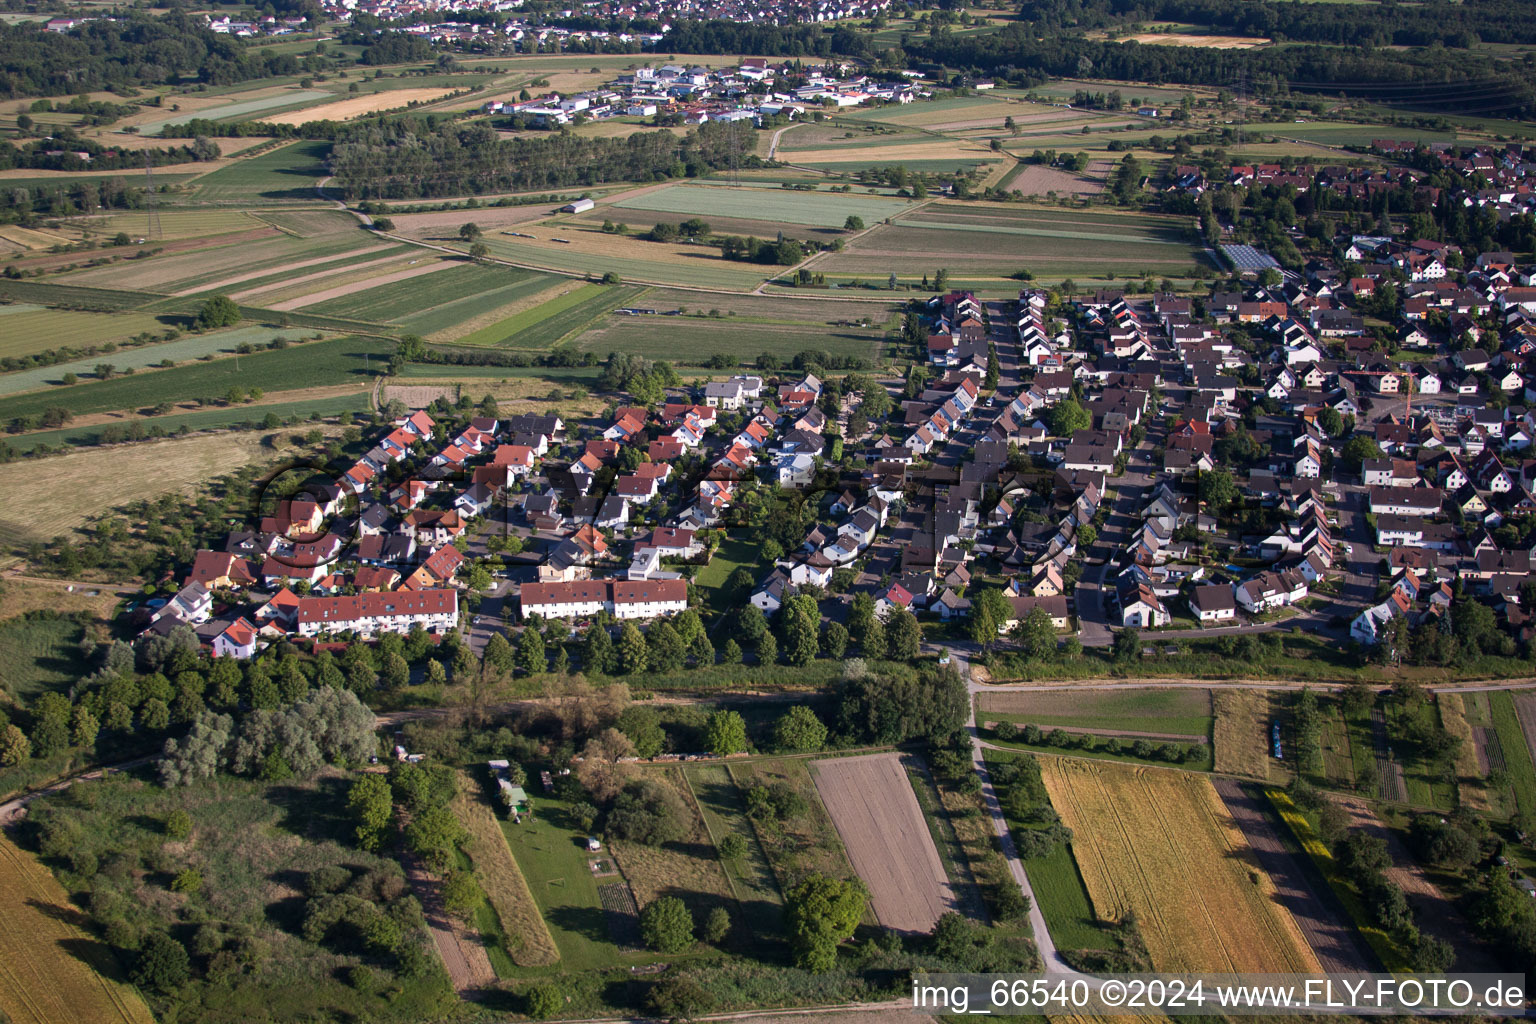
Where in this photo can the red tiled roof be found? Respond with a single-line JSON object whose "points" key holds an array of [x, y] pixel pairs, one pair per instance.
{"points": [[349, 609]]}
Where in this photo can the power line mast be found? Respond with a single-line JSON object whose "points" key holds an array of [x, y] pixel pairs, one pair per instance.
{"points": [[152, 228]]}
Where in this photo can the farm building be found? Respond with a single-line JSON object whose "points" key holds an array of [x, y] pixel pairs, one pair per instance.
{"points": [[579, 206]]}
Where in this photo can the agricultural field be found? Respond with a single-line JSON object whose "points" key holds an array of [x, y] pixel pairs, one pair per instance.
{"points": [[593, 254], [1160, 844], [1241, 735], [313, 364], [657, 338], [1514, 732], [135, 358], [19, 595], [780, 206], [175, 224], [239, 110], [51, 970], [222, 265], [1470, 775], [359, 106], [321, 402], [991, 241], [285, 173], [27, 329], [1183, 715], [936, 114], [876, 814], [541, 328], [460, 292], [106, 478]]}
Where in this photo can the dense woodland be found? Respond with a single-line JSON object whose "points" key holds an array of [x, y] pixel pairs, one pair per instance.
{"points": [[134, 51], [1388, 24], [409, 158], [1435, 78]]}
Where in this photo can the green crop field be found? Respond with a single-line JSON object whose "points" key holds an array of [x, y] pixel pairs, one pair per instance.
{"points": [[27, 329], [436, 301], [1343, 133], [288, 172], [310, 223], [137, 358], [316, 364], [1517, 754], [578, 376], [221, 418], [815, 209], [752, 882], [508, 329], [49, 294], [244, 108], [671, 337], [934, 113], [1183, 712]]}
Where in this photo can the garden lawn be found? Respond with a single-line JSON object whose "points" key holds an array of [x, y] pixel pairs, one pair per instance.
{"points": [[732, 554]]}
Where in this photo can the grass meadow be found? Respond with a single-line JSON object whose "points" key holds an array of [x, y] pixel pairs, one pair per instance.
{"points": [[39, 653], [287, 172], [224, 417], [27, 329], [697, 340], [812, 209], [1517, 754], [1181, 712]]}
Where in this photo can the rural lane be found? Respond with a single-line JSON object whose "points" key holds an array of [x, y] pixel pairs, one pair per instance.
{"points": [[1050, 956]]}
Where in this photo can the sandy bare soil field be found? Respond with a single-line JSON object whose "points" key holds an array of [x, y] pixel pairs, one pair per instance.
{"points": [[877, 816], [1037, 180], [357, 106], [251, 275], [1210, 42]]}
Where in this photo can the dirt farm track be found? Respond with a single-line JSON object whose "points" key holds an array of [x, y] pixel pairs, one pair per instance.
{"points": [[877, 816]]}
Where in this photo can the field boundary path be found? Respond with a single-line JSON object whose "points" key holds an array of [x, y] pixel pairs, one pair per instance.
{"points": [[1050, 957], [1302, 890]]}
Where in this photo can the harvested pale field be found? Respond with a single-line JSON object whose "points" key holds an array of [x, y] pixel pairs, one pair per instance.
{"points": [[99, 479], [357, 286], [689, 869], [32, 238], [1241, 736], [20, 595], [1469, 775], [358, 106], [252, 275], [419, 396], [51, 970], [1160, 844], [937, 150], [1037, 180], [318, 275], [528, 939], [1207, 42], [882, 826]]}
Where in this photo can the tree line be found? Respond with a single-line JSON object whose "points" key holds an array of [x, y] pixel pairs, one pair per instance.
{"points": [[409, 158]]}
